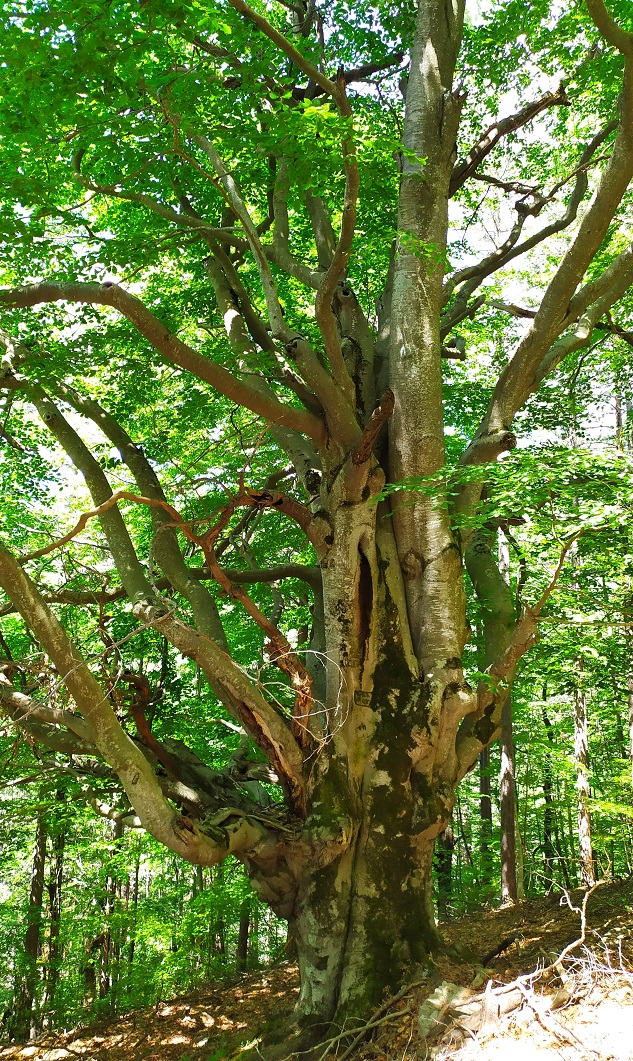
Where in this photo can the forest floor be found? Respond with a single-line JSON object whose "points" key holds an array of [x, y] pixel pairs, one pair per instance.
{"points": [[594, 1023]]}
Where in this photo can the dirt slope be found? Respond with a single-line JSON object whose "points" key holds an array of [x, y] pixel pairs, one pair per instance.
{"points": [[596, 1024]]}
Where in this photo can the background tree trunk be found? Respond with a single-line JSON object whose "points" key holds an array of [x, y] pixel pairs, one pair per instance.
{"points": [[134, 910], [444, 848], [549, 850], [487, 561], [583, 788], [629, 690], [241, 957], [56, 874], [507, 796], [485, 821], [26, 1020]]}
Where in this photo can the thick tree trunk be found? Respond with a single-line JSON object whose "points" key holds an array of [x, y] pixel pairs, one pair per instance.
{"points": [[362, 913], [383, 928]]}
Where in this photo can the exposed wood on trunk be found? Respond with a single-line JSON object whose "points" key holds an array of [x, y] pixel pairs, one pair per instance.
{"points": [[241, 956]]}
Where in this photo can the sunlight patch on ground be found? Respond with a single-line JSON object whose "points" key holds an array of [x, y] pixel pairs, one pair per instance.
{"points": [[601, 1032]]}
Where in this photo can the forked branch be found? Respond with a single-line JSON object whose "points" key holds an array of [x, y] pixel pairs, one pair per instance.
{"points": [[169, 346], [177, 833], [494, 133]]}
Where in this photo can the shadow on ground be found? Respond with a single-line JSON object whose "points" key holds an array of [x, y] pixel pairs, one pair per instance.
{"points": [[597, 1023]]}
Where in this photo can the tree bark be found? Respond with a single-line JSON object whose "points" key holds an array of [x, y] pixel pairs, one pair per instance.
{"points": [[241, 957], [485, 821], [549, 851], [55, 953], [26, 1020], [391, 928], [583, 788], [507, 794]]}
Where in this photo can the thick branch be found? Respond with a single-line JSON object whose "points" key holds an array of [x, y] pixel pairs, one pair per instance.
{"points": [[171, 348], [335, 402], [106, 594], [248, 498], [610, 30], [591, 292], [39, 724], [473, 276], [123, 552], [323, 303], [322, 227], [338, 410], [482, 727], [492, 136], [310, 575], [25, 708], [233, 196], [325, 293], [520, 375], [183, 220], [191, 221], [241, 326], [286, 47], [374, 426], [137, 777], [282, 255], [268, 729], [165, 545]]}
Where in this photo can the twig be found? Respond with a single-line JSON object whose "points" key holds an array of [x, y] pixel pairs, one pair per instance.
{"points": [[554, 1027], [557, 965], [523, 984], [360, 1033], [118, 495], [537, 609], [375, 1021]]}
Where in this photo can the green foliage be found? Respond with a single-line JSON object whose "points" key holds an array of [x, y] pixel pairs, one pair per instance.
{"points": [[136, 926]]}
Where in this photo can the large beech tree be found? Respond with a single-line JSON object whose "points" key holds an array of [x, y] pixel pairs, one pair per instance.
{"points": [[259, 197]]}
